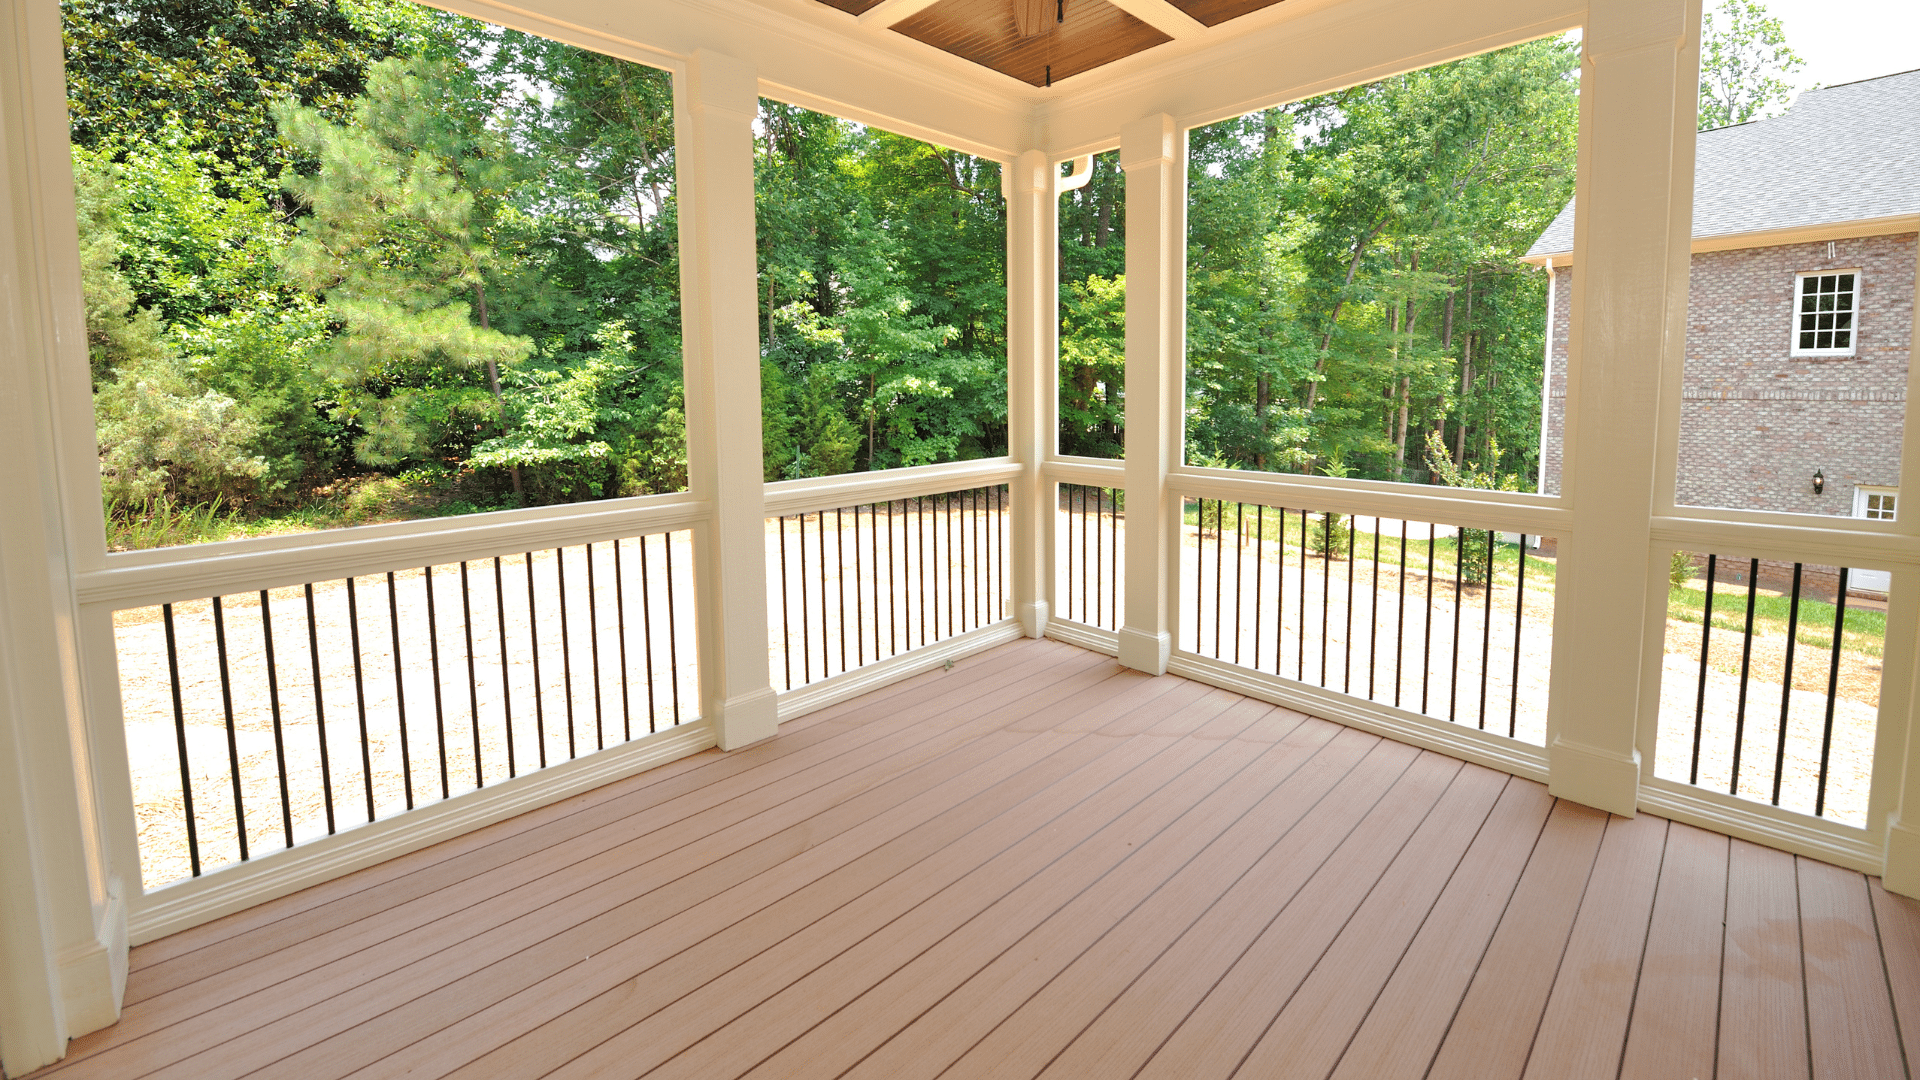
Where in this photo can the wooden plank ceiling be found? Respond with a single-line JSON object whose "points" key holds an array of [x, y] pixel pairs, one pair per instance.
{"points": [[1084, 35]]}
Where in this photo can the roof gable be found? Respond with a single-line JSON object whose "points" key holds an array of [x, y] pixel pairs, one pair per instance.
{"points": [[1842, 153]]}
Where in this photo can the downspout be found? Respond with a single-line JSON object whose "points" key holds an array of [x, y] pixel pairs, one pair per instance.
{"points": [[1546, 378]]}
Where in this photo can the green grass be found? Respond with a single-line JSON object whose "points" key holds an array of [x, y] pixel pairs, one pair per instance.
{"points": [[1865, 631]]}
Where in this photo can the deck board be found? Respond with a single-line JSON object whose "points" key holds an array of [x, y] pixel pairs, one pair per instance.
{"points": [[1040, 864]]}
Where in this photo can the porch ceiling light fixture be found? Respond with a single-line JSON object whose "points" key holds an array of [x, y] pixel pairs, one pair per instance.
{"points": [[1819, 481]]}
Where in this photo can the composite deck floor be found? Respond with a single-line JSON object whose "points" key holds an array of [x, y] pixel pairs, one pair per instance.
{"points": [[1041, 864]]}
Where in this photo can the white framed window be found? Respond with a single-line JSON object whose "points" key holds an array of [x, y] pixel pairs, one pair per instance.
{"points": [[1825, 309], [1875, 503]]}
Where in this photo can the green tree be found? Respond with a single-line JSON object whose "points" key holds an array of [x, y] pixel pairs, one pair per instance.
{"points": [[1743, 58], [410, 223]]}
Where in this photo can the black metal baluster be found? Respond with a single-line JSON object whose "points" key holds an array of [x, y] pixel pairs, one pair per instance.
{"points": [[473, 674], [439, 703], [1833, 693], [1700, 700], [1259, 572], [180, 737], [399, 690], [1400, 630], [673, 626], [233, 745], [1199, 569], [1786, 684], [806, 631], [1353, 537], [1326, 591], [1300, 666], [920, 534], [786, 626], [1239, 571], [873, 535], [566, 647], [1746, 665], [1373, 613], [826, 639], [620, 616], [893, 589], [1486, 628], [593, 651], [273, 703], [506, 677], [859, 571], [1459, 601], [360, 695], [1085, 561], [319, 707], [1426, 637], [1280, 595], [539, 688], [1519, 614], [646, 623], [1099, 560], [953, 624], [839, 576]]}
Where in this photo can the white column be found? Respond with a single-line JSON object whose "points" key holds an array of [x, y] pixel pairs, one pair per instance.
{"points": [[1896, 759], [716, 107], [1153, 151], [63, 948], [1634, 190], [1033, 330]]}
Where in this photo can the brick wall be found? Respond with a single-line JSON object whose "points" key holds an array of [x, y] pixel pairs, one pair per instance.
{"points": [[1755, 421]]}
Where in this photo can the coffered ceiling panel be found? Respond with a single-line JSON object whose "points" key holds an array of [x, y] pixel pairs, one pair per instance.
{"points": [[1084, 35]]}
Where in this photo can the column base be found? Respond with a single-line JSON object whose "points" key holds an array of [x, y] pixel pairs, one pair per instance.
{"points": [[1033, 619], [747, 719], [1594, 777], [1144, 651], [1902, 871]]}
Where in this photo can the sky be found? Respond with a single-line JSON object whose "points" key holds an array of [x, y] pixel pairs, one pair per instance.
{"points": [[1848, 40]]}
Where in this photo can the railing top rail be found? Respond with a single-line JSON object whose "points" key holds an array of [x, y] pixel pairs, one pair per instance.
{"points": [[827, 492], [1078, 470], [1803, 543], [191, 572], [1504, 510]]}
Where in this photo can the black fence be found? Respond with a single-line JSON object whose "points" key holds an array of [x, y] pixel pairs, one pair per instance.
{"points": [[1451, 622], [862, 583], [1090, 532], [292, 713], [1772, 683]]}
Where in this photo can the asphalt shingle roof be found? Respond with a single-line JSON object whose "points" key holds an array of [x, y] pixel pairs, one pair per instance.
{"points": [[1843, 153]]}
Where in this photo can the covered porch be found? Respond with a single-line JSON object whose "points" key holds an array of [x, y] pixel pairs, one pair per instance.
{"points": [[1020, 766]]}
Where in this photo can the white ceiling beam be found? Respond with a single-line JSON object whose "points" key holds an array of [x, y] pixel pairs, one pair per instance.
{"points": [[1162, 16], [887, 12]]}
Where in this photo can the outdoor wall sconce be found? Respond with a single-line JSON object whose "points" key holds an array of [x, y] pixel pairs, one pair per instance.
{"points": [[1819, 481]]}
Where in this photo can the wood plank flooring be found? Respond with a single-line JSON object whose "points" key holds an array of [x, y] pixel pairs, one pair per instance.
{"points": [[1041, 864]]}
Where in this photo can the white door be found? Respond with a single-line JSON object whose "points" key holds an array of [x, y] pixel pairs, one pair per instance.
{"points": [[1874, 504]]}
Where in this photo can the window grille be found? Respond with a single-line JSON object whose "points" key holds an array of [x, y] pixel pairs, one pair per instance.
{"points": [[1824, 321]]}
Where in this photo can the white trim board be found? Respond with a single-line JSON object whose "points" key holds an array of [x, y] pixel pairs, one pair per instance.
{"points": [[813, 697], [234, 888]]}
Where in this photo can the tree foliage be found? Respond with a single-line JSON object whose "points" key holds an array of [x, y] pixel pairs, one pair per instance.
{"points": [[1743, 60]]}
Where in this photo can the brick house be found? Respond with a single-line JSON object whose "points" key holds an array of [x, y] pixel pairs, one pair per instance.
{"points": [[1800, 309]]}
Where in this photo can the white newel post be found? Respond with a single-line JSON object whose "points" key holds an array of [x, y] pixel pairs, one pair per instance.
{"points": [[63, 943], [1896, 759], [1032, 325], [714, 180], [1634, 190], [1153, 151]]}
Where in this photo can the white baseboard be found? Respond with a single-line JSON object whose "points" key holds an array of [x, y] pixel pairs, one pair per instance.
{"points": [[1091, 638], [1468, 744], [1770, 826], [93, 976], [832, 691], [227, 890]]}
